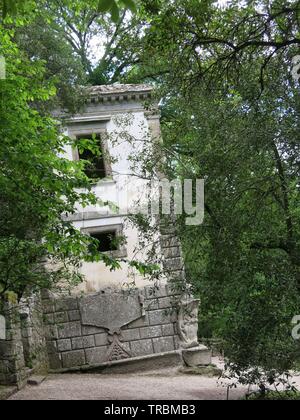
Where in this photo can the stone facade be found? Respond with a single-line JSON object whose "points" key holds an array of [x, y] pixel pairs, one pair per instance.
{"points": [[72, 343]]}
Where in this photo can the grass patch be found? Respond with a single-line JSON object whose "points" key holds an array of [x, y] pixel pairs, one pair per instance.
{"points": [[273, 395]]}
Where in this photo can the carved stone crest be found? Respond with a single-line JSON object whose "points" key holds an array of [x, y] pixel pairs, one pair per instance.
{"points": [[112, 310]]}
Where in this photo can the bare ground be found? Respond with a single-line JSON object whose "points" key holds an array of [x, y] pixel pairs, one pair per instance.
{"points": [[166, 384]]}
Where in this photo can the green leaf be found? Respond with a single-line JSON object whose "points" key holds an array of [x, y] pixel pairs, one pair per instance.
{"points": [[105, 5], [130, 4], [115, 12]]}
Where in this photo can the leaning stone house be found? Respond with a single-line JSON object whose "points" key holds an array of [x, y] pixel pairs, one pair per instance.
{"points": [[104, 324]]}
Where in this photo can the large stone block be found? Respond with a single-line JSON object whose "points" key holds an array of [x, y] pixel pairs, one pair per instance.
{"points": [[166, 302], [86, 330], [69, 330], [111, 310], [141, 322], [163, 344], [154, 291], [55, 361], [74, 315], [131, 335], [161, 316], [51, 332], [141, 347], [51, 346], [48, 306], [168, 329], [173, 264], [83, 342], [168, 241], [101, 339], [73, 359], [64, 345], [149, 332], [197, 356], [173, 252], [66, 304], [151, 304], [61, 317], [96, 355], [49, 319]]}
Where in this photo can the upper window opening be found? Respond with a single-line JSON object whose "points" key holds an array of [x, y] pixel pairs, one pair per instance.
{"points": [[95, 168], [107, 241]]}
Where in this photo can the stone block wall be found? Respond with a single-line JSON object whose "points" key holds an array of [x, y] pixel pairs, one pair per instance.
{"points": [[72, 344], [12, 364], [23, 351]]}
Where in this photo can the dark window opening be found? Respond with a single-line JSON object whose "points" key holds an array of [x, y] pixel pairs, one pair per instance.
{"points": [[95, 168], [107, 241]]}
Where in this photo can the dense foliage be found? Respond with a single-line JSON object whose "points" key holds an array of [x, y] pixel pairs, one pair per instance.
{"points": [[231, 116]]}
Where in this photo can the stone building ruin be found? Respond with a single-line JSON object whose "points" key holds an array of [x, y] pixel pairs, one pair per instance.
{"points": [[106, 325]]}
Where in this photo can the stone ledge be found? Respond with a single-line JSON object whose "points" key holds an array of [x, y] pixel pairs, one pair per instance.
{"points": [[132, 365], [197, 356]]}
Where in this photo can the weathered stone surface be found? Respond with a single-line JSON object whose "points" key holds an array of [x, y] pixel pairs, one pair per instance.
{"points": [[71, 329], [60, 317], [74, 315], [77, 343], [156, 292], [88, 341], [173, 252], [187, 323], [101, 339], [142, 322], [168, 241], [48, 306], [51, 346], [150, 332], [83, 342], [91, 330], [110, 310], [49, 319], [73, 358], [64, 345], [197, 356], [173, 264], [141, 347], [159, 317], [96, 355], [130, 335], [151, 304], [2, 328], [51, 331], [164, 303], [55, 361], [66, 304], [167, 329], [163, 344]]}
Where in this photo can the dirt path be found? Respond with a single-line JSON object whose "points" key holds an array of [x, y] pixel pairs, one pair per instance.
{"points": [[167, 384], [148, 386]]}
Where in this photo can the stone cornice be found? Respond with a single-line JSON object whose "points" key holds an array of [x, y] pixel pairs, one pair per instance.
{"points": [[118, 93]]}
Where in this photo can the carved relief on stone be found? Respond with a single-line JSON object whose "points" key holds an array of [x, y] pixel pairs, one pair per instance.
{"points": [[187, 322], [112, 310], [116, 350]]}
